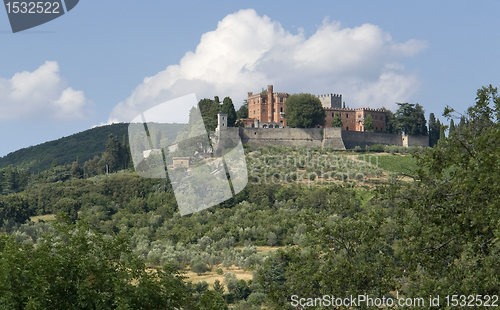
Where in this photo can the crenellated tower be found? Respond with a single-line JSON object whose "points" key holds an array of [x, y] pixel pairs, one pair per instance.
{"points": [[270, 103]]}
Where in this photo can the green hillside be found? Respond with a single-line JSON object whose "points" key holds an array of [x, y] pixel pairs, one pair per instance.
{"points": [[84, 145]]}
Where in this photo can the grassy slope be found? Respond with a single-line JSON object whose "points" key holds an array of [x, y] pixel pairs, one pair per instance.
{"points": [[397, 163]]}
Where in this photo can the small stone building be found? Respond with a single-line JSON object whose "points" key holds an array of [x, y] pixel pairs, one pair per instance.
{"points": [[181, 162]]}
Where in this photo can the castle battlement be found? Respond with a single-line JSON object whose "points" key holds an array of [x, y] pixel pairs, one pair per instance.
{"points": [[331, 100], [269, 108], [281, 94], [330, 95], [341, 109]]}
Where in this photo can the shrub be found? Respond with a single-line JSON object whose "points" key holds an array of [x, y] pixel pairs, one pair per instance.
{"points": [[272, 239], [204, 242], [198, 266], [377, 147]]}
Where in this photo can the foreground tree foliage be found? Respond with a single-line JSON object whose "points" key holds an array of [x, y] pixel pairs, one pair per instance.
{"points": [[438, 235], [75, 268], [450, 217], [349, 255]]}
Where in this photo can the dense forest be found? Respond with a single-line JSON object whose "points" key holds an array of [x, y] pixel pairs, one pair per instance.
{"points": [[385, 222]]}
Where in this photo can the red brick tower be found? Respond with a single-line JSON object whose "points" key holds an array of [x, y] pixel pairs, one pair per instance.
{"points": [[270, 103]]}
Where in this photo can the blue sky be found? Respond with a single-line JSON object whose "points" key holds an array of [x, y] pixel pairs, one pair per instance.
{"points": [[106, 60]]}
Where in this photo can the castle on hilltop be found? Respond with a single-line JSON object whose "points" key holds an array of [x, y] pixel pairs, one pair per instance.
{"points": [[267, 110]]}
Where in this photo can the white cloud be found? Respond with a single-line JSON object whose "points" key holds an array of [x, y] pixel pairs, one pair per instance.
{"points": [[247, 52], [42, 95]]}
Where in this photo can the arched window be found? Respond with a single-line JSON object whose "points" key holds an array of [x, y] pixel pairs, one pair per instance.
{"points": [[347, 128], [270, 126]]}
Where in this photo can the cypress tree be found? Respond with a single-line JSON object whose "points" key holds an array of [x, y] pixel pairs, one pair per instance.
{"points": [[228, 108], [461, 125], [442, 135], [438, 130], [452, 128], [433, 130]]}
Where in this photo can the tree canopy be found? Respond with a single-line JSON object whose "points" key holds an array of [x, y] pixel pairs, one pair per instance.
{"points": [[368, 123], [209, 109], [243, 110], [411, 119], [304, 111], [337, 121], [449, 217], [391, 124], [228, 108], [75, 268]]}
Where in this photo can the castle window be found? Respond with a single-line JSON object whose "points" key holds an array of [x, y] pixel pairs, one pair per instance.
{"points": [[347, 128], [281, 109], [346, 115], [253, 111], [376, 128], [332, 114], [263, 110]]}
